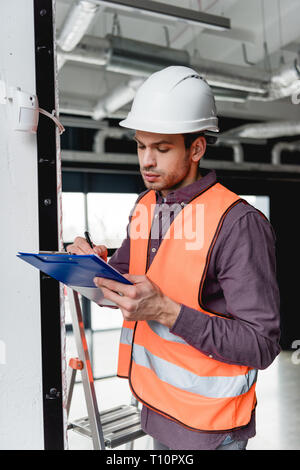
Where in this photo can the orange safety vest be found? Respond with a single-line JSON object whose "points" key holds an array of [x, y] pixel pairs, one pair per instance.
{"points": [[165, 373]]}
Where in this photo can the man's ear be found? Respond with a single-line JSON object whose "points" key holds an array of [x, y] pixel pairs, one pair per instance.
{"points": [[198, 148]]}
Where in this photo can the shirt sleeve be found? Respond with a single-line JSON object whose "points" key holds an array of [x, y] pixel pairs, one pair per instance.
{"points": [[246, 272]]}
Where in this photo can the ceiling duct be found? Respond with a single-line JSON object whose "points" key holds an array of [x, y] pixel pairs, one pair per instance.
{"points": [[115, 100], [284, 82], [224, 94], [264, 130], [76, 24], [138, 58], [75, 27], [232, 77], [141, 58], [93, 51]]}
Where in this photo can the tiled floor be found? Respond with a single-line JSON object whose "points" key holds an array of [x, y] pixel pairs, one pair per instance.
{"points": [[278, 409]]}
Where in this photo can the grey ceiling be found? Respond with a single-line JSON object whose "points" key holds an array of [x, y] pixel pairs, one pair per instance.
{"points": [[261, 48]]}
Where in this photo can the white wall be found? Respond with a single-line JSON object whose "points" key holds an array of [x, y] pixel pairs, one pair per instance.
{"points": [[21, 412]]}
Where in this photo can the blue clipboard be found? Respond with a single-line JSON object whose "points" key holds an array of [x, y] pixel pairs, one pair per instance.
{"points": [[75, 271]]}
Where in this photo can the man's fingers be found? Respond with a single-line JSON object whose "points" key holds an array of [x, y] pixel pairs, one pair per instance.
{"points": [[119, 300], [135, 278], [123, 289], [81, 247], [77, 250], [101, 251], [108, 306]]}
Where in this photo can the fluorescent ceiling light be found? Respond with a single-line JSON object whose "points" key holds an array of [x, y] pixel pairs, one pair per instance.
{"points": [[170, 12]]}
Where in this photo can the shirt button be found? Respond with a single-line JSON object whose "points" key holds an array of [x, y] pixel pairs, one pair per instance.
{"points": [[153, 250]]}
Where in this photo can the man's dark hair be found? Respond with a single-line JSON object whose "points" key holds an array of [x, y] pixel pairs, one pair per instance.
{"points": [[190, 138]]}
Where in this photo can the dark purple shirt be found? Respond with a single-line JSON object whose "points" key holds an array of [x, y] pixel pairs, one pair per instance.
{"points": [[240, 280]]}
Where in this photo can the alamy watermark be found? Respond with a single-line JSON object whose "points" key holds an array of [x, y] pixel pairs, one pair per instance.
{"points": [[188, 224], [295, 358]]}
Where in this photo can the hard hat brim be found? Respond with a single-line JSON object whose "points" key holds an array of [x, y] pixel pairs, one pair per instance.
{"points": [[162, 127]]}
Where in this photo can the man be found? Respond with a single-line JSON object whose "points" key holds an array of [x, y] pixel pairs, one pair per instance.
{"points": [[202, 313]]}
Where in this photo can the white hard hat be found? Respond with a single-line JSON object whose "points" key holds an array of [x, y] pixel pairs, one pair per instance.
{"points": [[175, 100]]}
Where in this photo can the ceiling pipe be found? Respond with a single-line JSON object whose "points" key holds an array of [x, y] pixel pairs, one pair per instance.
{"points": [[283, 83], [111, 132], [115, 100], [264, 130], [92, 51], [75, 27], [76, 24], [140, 59], [281, 147], [232, 77], [238, 152]]}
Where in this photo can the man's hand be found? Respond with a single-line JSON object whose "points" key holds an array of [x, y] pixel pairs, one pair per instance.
{"points": [[141, 301], [81, 247]]}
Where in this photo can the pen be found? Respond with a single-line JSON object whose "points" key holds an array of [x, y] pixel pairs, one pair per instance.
{"points": [[88, 239]]}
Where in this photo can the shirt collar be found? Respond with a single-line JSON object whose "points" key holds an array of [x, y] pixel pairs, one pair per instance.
{"points": [[185, 194]]}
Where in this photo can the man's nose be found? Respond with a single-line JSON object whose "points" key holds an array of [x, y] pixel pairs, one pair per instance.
{"points": [[149, 158]]}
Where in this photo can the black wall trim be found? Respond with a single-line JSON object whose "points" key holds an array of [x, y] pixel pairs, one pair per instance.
{"points": [[48, 227]]}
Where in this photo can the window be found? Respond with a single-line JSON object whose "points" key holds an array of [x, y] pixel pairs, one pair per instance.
{"points": [[105, 215], [108, 217], [261, 203], [73, 216]]}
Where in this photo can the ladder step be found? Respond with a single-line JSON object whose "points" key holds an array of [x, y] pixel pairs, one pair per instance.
{"points": [[120, 425]]}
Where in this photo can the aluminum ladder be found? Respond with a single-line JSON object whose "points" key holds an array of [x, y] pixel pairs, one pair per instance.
{"points": [[110, 428]]}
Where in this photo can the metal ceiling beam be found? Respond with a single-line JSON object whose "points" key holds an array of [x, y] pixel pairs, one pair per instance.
{"points": [[82, 123], [116, 158], [162, 10]]}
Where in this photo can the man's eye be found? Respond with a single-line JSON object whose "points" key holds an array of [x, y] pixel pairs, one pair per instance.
{"points": [[141, 147], [163, 150]]}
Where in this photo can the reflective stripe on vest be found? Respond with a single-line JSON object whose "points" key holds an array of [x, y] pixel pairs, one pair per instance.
{"points": [[166, 373], [125, 348], [211, 386], [126, 336]]}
